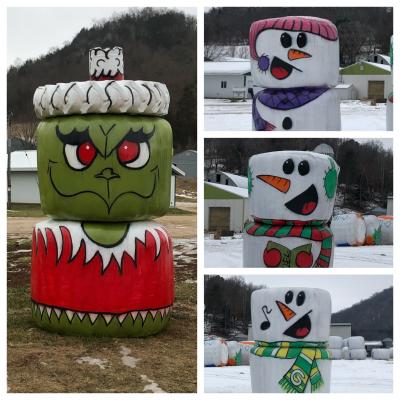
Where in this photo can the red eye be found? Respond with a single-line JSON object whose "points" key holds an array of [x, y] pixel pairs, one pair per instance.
{"points": [[86, 153], [128, 151]]}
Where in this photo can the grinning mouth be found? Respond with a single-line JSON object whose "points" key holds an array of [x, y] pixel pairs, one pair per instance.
{"points": [[281, 69], [305, 203], [301, 328]]}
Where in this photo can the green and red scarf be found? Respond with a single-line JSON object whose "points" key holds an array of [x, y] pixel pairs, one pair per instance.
{"points": [[305, 367], [313, 230]]}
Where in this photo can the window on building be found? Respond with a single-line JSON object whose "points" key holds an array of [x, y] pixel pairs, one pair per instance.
{"points": [[218, 178], [223, 84]]}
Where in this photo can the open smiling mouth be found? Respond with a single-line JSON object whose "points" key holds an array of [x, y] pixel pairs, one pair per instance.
{"points": [[305, 203], [301, 328], [281, 69]]}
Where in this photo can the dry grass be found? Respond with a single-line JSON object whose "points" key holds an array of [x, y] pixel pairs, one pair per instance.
{"points": [[39, 361]]}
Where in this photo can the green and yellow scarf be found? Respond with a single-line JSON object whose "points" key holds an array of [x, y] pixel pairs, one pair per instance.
{"points": [[304, 369]]}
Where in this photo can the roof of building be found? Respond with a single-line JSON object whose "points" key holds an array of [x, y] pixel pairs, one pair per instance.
{"points": [[385, 57], [227, 67], [366, 68], [237, 191], [23, 160], [378, 65], [177, 171], [238, 180]]}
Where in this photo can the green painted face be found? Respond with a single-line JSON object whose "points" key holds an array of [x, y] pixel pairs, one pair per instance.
{"points": [[104, 167]]}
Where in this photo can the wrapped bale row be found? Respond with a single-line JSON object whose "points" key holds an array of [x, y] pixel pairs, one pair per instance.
{"points": [[215, 353], [382, 354]]}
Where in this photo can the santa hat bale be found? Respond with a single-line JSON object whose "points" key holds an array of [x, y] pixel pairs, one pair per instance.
{"points": [[314, 25]]}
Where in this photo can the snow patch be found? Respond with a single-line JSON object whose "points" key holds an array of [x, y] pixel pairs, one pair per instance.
{"points": [[92, 361], [126, 359], [151, 385]]}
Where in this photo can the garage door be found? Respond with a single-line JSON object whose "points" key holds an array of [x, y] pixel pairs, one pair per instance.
{"points": [[219, 218], [376, 90]]}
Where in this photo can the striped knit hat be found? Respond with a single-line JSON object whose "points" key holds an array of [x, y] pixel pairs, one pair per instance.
{"points": [[317, 26]]}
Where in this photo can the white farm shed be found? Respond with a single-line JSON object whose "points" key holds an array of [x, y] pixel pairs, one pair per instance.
{"points": [[220, 78], [226, 178], [24, 180], [225, 207]]}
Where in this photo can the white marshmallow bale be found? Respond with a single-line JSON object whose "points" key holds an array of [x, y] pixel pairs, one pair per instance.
{"points": [[215, 353], [349, 229], [286, 252], [386, 222], [356, 342], [319, 113], [294, 51], [345, 353], [380, 354], [358, 354], [288, 315], [335, 342], [292, 186], [373, 230], [234, 353]]}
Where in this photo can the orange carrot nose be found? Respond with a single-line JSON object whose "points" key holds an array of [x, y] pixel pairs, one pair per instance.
{"points": [[297, 54], [286, 311], [282, 184]]}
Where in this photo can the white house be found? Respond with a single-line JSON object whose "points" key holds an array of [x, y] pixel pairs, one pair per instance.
{"points": [[371, 80], [24, 179], [221, 78], [226, 207]]}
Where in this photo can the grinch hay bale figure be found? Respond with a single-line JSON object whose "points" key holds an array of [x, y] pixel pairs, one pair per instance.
{"points": [[291, 329], [100, 266]]}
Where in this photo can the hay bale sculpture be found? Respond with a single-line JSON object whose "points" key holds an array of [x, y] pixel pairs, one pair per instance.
{"points": [[295, 66], [291, 329], [291, 198], [100, 266]]}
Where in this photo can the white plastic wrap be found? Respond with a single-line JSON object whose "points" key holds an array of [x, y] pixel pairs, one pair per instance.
{"points": [[386, 223], [234, 353], [356, 342], [373, 230], [380, 354], [245, 348], [348, 229], [345, 353], [335, 342], [336, 354], [215, 353], [358, 354]]}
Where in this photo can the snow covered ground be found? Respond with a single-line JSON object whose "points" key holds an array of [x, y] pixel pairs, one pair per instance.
{"points": [[348, 376], [223, 115], [227, 252]]}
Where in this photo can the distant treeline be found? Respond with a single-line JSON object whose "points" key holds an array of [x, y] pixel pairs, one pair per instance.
{"points": [[365, 168], [227, 309], [159, 45], [361, 29]]}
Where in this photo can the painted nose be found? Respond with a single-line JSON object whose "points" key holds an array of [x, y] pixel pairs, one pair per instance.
{"points": [[107, 173], [287, 312], [281, 184], [294, 54]]}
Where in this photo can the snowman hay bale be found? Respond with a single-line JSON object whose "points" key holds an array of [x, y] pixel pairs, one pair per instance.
{"points": [[101, 266], [294, 66], [349, 229], [372, 230], [380, 354], [386, 223], [245, 348], [291, 330], [291, 197], [234, 353], [215, 353]]}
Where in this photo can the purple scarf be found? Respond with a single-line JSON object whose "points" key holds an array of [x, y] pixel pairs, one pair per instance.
{"points": [[283, 99]]}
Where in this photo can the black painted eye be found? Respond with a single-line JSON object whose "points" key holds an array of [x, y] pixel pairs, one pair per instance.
{"points": [[301, 39], [301, 297], [304, 168], [288, 166], [286, 40], [288, 297], [265, 325], [287, 123]]}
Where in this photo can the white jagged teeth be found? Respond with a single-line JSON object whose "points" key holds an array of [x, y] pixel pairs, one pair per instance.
{"points": [[134, 315], [41, 308], [153, 313], [81, 315], [107, 318], [48, 310], [93, 317], [121, 317], [70, 314], [143, 314], [58, 312]]}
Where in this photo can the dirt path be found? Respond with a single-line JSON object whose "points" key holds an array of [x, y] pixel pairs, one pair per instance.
{"points": [[179, 226]]}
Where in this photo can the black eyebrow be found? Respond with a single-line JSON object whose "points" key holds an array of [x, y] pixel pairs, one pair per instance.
{"points": [[139, 136], [74, 137]]}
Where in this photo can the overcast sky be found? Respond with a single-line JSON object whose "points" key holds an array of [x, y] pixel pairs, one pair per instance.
{"points": [[345, 290], [32, 31]]}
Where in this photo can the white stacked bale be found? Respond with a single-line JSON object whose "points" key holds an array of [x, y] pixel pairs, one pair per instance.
{"points": [[358, 354], [386, 222], [234, 353], [215, 353], [391, 353], [380, 354], [356, 342], [245, 348], [335, 342], [346, 342], [345, 353], [348, 229], [336, 354], [373, 230]]}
